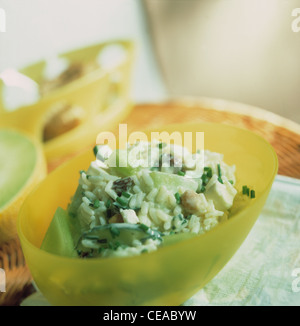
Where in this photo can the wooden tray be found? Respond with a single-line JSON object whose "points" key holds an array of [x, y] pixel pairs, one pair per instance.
{"points": [[283, 134]]}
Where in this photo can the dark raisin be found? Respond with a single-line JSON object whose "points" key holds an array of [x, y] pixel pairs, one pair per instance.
{"points": [[122, 185]]}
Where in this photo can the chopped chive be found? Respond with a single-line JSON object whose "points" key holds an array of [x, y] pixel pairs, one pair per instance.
{"points": [[202, 189], [144, 251], [161, 145], [181, 173], [208, 171], [245, 190], [220, 180], [126, 194], [97, 203], [230, 181], [144, 227], [248, 191], [122, 201], [114, 231], [108, 203], [252, 194], [96, 149], [205, 179], [219, 170], [178, 199], [180, 216]]}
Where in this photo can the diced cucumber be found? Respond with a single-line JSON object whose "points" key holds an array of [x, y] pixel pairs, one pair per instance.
{"points": [[61, 235], [173, 181], [119, 165]]}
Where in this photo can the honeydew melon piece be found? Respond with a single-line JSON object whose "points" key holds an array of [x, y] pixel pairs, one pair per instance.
{"points": [[22, 166], [60, 238]]}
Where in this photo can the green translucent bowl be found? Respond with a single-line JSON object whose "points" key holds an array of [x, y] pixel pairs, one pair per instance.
{"points": [[168, 276]]}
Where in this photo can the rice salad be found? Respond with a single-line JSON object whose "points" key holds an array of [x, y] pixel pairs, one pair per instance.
{"points": [[163, 190]]}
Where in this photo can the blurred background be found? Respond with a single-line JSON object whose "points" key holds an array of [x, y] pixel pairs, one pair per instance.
{"points": [[241, 50]]}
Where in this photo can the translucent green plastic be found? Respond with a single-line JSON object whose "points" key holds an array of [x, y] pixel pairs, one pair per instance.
{"points": [[168, 276]]}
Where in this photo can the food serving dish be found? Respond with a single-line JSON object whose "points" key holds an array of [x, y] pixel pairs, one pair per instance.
{"points": [[173, 273], [87, 93]]}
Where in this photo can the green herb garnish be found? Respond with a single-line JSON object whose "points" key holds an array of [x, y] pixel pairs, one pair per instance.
{"points": [[114, 231], [202, 189], [122, 202], [205, 179], [219, 174], [144, 227], [97, 203], [108, 203], [177, 197], [95, 150], [246, 191], [161, 145], [208, 171], [126, 194]]}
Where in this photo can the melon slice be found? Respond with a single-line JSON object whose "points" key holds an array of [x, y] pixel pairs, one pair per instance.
{"points": [[60, 238], [22, 166]]}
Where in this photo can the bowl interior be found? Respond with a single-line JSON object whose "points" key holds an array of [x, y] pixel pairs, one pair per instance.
{"points": [[96, 100], [165, 277]]}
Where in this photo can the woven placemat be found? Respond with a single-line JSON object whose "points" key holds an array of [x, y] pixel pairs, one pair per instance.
{"points": [[17, 276], [283, 134]]}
